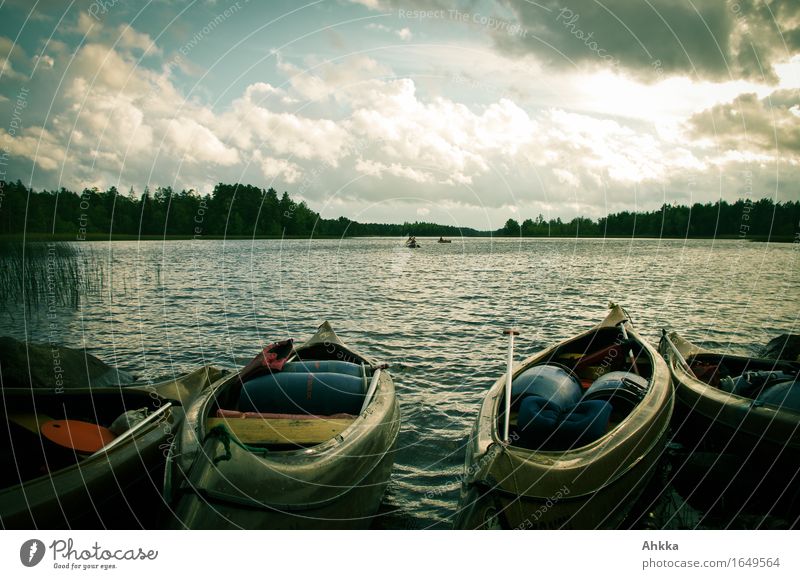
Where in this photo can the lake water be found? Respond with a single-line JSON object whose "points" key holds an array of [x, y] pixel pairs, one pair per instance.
{"points": [[435, 314]]}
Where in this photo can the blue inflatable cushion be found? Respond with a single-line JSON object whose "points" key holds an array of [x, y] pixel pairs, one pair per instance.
{"points": [[545, 425], [550, 382], [622, 389], [315, 366], [321, 393], [785, 395]]}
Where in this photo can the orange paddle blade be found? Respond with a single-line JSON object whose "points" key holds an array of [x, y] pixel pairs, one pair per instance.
{"points": [[77, 435]]}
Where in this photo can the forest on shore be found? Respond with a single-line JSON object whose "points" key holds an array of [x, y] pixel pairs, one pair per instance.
{"points": [[235, 210]]}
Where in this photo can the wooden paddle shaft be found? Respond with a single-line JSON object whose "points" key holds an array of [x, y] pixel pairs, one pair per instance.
{"points": [[511, 333], [630, 352]]}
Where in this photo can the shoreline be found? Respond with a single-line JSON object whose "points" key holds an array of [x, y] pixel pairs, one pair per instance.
{"points": [[46, 237]]}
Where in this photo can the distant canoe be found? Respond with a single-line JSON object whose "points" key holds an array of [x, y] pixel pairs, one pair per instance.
{"points": [[720, 410], [445, 241], [310, 446], [555, 481], [116, 484]]}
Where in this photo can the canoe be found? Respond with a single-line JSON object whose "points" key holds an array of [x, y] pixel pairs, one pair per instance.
{"points": [[70, 462], [445, 241], [719, 410], [596, 414], [308, 445]]}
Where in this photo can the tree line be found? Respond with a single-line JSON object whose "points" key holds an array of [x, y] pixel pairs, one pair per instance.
{"points": [[236, 210], [231, 210], [743, 219]]}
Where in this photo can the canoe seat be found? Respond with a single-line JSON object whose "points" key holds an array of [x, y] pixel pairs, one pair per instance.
{"points": [[301, 431], [543, 424], [319, 393]]}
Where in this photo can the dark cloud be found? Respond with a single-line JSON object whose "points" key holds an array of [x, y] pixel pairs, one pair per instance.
{"points": [[710, 39], [749, 123]]}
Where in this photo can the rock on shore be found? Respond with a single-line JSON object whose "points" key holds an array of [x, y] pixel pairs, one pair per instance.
{"points": [[30, 365]]}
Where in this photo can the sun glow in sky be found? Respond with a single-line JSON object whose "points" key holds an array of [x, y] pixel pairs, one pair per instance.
{"points": [[460, 113]]}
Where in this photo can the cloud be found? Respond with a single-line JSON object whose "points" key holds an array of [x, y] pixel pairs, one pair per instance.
{"points": [[12, 55], [674, 37], [402, 33], [127, 37], [708, 39], [252, 125], [703, 38], [274, 169], [583, 143], [197, 143], [114, 119], [749, 123], [320, 80], [38, 144]]}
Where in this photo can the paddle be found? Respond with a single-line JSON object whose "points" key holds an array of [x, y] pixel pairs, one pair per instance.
{"points": [[511, 333], [678, 354], [630, 352]]}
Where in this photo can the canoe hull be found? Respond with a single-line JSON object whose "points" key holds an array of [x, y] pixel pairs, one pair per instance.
{"points": [[116, 489], [607, 508], [725, 428], [353, 510], [711, 419], [594, 486], [220, 484]]}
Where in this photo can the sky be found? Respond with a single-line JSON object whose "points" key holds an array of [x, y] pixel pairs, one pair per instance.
{"points": [[463, 113]]}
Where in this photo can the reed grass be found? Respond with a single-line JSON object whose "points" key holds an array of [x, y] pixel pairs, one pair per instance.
{"points": [[50, 275]]}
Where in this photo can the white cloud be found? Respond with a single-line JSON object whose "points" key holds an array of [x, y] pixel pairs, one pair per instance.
{"points": [[198, 143], [273, 168], [44, 62], [377, 169], [86, 23], [37, 144], [254, 126], [402, 33], [130, 38]]}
